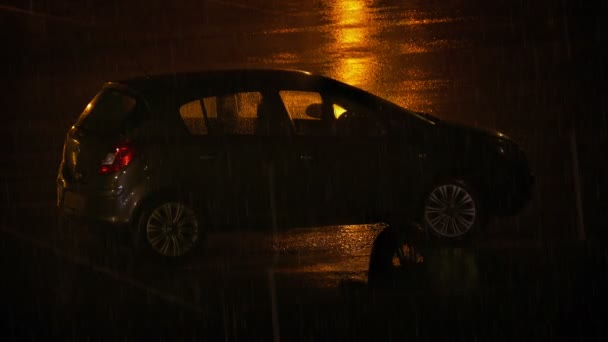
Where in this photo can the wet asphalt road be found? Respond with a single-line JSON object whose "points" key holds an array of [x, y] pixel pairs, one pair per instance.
{"points": [[83, 288], [533, 71]]}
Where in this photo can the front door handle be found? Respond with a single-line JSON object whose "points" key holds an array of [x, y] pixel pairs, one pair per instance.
{"points": [[305, 157]]}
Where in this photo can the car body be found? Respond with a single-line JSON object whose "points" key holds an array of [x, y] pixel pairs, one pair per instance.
{"points": [[174, 156]]}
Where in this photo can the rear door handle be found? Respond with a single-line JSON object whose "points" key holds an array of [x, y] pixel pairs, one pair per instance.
{"points": [[306, 157], [209, 156]]}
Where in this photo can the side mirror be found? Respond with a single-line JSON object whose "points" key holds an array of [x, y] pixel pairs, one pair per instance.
{"points": [[315, 110]]}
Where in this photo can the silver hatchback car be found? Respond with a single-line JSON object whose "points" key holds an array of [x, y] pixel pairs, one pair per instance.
{"points": [[173, 157]]}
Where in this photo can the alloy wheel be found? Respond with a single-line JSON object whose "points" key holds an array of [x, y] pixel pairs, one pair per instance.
{"points": [[450, 211], [172, 229]]}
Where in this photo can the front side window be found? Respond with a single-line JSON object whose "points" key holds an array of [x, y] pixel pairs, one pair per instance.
{"points": [[305, 109]]}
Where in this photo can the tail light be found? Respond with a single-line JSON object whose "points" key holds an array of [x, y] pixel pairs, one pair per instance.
{"points": [[118, 159]]}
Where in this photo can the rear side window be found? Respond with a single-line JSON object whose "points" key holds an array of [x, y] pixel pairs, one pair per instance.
{"points": [[230, 114], [111, 111], [192, 115]]}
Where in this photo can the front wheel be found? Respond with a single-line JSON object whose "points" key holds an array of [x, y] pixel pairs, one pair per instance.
{"points": [[452, 210], [170, 229]]}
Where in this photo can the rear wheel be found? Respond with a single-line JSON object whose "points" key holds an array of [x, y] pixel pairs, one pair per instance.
{"points": [[452, 210], [170, 229]]}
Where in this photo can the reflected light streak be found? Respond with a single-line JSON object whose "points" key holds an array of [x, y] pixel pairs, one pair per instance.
{"points": [[357, 55], [351, 36], [352, 31], [355, 70], [350, 12], [329, 250]]}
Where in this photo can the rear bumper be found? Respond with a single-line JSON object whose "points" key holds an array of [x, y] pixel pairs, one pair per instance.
{"points": [[95, 206]]}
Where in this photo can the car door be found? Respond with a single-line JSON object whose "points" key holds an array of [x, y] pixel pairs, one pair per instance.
{"points": [[263, 173], [299, 158], [197, 162], [227, 162], [357, 161], [246, 157], [377, 168]]}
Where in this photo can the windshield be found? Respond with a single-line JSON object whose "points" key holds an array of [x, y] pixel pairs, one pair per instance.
{"points": [[381, 104]]}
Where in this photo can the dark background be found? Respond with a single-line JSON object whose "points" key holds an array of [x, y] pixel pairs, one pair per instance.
{"points": [[535, 70]]}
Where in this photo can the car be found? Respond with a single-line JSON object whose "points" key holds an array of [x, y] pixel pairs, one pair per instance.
{"points": [[173, 157]]}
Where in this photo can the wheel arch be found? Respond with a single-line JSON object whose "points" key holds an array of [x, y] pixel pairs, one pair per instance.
{"points": [[155, 197]]}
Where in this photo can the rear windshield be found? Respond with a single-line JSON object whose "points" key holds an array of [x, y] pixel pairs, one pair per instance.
{"points": [[111, 111]]}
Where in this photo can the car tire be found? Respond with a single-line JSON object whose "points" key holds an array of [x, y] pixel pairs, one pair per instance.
{"points": [[168, 229], [452, 210]]}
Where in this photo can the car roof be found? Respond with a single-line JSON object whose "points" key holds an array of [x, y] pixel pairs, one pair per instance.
{"points": [[223, 78], [187, 86]]}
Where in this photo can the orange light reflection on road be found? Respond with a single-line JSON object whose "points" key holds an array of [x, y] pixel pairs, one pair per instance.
{"points": [[357, 53], [352, 32]]}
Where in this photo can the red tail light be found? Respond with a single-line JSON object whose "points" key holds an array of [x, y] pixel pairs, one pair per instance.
{"points": [[118, 159]]}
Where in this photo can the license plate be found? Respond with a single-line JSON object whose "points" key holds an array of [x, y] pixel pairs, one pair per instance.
{"points": [[73, 201]]}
